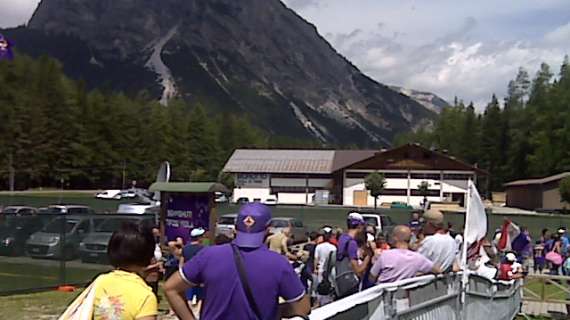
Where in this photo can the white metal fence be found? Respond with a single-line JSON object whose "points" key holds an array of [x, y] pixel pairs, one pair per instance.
{"points": [[428, 298]]}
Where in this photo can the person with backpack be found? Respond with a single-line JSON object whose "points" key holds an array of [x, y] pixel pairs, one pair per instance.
{"points": [[324, 254], [243, 279], [349, 269]]}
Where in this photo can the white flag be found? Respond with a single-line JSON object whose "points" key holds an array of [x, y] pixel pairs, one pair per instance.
{"points": [[475, 222]]}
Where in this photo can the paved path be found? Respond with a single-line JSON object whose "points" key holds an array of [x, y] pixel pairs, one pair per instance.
{"points": [[542, 308]]}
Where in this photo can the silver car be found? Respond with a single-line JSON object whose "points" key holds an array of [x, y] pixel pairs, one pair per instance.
{"points": [[61, 237], [227, 225], [297, 229], [93, 248]]}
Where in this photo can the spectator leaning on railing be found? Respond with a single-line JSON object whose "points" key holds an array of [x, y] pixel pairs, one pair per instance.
{"points": [[401, 263], [438, 246]]}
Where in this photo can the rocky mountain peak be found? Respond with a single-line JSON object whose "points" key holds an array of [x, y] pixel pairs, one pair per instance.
{"points": [[250, 56]]}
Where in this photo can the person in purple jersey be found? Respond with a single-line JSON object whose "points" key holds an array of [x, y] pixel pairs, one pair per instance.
{"points": [[265, 275], [347, 246], [5, 49]]}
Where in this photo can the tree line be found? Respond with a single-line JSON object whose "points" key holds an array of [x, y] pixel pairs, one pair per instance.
{"points": [[56, 133], [526, 135]]}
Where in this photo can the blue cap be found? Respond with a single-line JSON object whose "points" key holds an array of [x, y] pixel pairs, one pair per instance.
{"points": [[251, 223]]}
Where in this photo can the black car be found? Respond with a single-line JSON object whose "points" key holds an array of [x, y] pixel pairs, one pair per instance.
{"points": [[15, 230]]}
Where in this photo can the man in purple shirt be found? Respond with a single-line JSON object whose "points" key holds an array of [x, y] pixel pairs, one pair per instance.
{"points": [[269, 276], [347, 246], [400, 263]]}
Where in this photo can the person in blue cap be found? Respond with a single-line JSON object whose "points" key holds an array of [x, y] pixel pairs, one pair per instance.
{"points": [[243, 279]]}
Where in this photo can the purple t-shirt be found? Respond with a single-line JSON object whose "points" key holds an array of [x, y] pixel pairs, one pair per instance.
{"points": [[352, 247], [399, 264], [270, 276]]}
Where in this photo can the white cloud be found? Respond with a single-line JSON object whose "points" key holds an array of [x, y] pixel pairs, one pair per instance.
{"points": [[560, 34], [470, 51], [16, 12]]}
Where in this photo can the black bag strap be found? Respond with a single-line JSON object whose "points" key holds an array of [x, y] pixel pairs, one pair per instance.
{"points": [[245, 283], [328, 266]]}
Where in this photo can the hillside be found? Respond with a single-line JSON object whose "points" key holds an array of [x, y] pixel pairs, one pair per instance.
{"points": [[250, 57]]}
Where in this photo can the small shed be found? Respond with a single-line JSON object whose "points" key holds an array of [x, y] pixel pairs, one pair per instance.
{"points": [[531, 194], [185, 206]]}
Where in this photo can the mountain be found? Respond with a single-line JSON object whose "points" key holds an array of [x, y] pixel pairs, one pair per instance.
{"points": [[427, 99], [253, 57]]}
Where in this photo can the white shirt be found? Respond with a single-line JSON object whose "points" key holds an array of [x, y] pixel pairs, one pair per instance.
{"points": [[322, 253], [441, 249], [157, 252]]}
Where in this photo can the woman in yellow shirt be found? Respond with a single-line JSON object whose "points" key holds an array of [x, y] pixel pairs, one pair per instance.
{"points": [[123, 294]]}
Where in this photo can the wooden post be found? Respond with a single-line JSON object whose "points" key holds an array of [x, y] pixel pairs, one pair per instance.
{"points": [[162, 215], [213, 219]]}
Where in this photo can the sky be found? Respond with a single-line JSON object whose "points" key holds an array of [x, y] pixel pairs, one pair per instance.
{"points": [[464, 48]]}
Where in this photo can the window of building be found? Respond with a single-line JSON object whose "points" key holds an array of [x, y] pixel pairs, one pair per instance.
{"points": [[457, 176], [429, 193], [396, 175], [394, 192], [425, 176], [356, 175], [275, 190]]}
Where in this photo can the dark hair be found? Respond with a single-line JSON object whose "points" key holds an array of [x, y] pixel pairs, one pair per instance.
{"points": [[327, 236], [544, 231], [222, 239], [132, 245], [361, 238], [313, 235]]}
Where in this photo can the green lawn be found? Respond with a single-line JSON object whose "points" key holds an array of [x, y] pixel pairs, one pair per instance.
{"points": [[45, 305], [43, 274], [46, 198]]}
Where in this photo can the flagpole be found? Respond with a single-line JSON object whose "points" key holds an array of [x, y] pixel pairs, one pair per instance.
{"points": [[465, 276]]}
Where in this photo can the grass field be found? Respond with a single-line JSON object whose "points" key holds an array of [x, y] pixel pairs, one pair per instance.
{"points": [[30, 274], [42, 199]]}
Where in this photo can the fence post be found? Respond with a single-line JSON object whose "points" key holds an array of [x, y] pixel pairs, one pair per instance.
{"points": [[62, 239]]}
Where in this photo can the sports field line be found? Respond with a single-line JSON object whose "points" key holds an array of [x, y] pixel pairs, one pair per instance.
{"points": [[17, 275]]}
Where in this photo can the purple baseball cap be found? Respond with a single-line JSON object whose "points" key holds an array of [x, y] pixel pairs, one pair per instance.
{"points": [[251, 224]]}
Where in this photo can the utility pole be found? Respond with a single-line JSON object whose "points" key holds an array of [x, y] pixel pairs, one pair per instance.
{"points": [[11, 172]]}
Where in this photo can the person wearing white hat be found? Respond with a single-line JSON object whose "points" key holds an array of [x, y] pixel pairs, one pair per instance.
{"points": [[323, 252], [194, 295], [510, 269]]}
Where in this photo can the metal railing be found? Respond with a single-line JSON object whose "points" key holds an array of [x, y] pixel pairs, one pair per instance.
{"points": [[429, 298], [547, 289]]}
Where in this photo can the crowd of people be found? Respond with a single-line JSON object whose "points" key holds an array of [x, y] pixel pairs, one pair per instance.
{"points": [[253, 274]]}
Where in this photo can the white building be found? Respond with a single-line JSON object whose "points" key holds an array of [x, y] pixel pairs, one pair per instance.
{"points": [[337, 176]]}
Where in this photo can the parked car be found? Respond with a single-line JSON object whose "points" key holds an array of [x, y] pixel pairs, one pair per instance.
{"points": [[109, 195], [297, 229], [270, 201], [219, 197], [226, 225], [127, 194], [383, 223], [15, 231], [47, 243], [93, 248], [19, 210], [400, 205], [135, 208], [242, 200], [69, 209]]}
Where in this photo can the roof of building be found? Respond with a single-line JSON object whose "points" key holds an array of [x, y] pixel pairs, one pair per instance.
{"points": [[329, 161], [538, 181], [344, 158], [414, 157], [190, 187], [281, 161]]}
